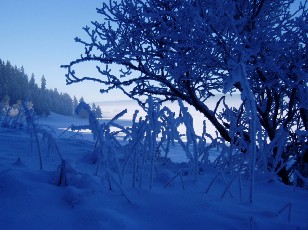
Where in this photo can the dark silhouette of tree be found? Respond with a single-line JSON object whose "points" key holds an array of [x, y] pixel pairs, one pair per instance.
{"points": [[97, 111], [43, 83], [75, 104], [82, 113]]}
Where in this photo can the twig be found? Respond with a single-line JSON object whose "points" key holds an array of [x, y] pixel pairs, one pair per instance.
{"points": [[289, 207], [240, 187], [65, 131], [179, 173], [120, 187], [214, 179], [227, 187], [63, 179], [212, 182]]}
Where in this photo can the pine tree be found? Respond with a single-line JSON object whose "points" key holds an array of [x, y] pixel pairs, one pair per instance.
{"points": [[98, 112], [83, 113], [75, 104], [43, 83]]}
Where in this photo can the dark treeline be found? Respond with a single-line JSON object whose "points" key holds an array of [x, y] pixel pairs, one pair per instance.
{"points": [[16, 86]]}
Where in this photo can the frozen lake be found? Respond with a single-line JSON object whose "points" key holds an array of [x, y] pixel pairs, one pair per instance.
{"points": [[111, 108]]}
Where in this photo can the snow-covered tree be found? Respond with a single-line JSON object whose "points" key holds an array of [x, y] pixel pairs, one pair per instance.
{"points": [[194, 49]]}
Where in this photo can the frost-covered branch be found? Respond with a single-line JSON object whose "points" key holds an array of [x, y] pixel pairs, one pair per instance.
{"points": [[188, 49]]}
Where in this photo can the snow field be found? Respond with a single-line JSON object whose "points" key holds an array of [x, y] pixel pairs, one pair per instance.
{"points": [[32, 199]]}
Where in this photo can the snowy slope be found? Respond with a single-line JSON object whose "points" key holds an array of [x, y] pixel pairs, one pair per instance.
{"points": [[32, 199]]}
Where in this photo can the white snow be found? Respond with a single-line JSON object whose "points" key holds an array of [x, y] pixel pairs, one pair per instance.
{"points": [[31, 199]]}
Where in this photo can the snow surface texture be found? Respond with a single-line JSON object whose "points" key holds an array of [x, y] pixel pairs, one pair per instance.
{"points": [[32, 199]]}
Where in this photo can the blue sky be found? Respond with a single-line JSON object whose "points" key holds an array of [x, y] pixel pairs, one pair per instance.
{"points": [[39, 35]]}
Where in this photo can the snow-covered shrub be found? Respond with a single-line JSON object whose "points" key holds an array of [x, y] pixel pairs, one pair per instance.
{"points": [[135, 149], [39, 132], [108, 147], [255, 48], [12, 116], [143, 143], [147, 139], [140, 155], [191, 140], [30, 118], [154, 135]]}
